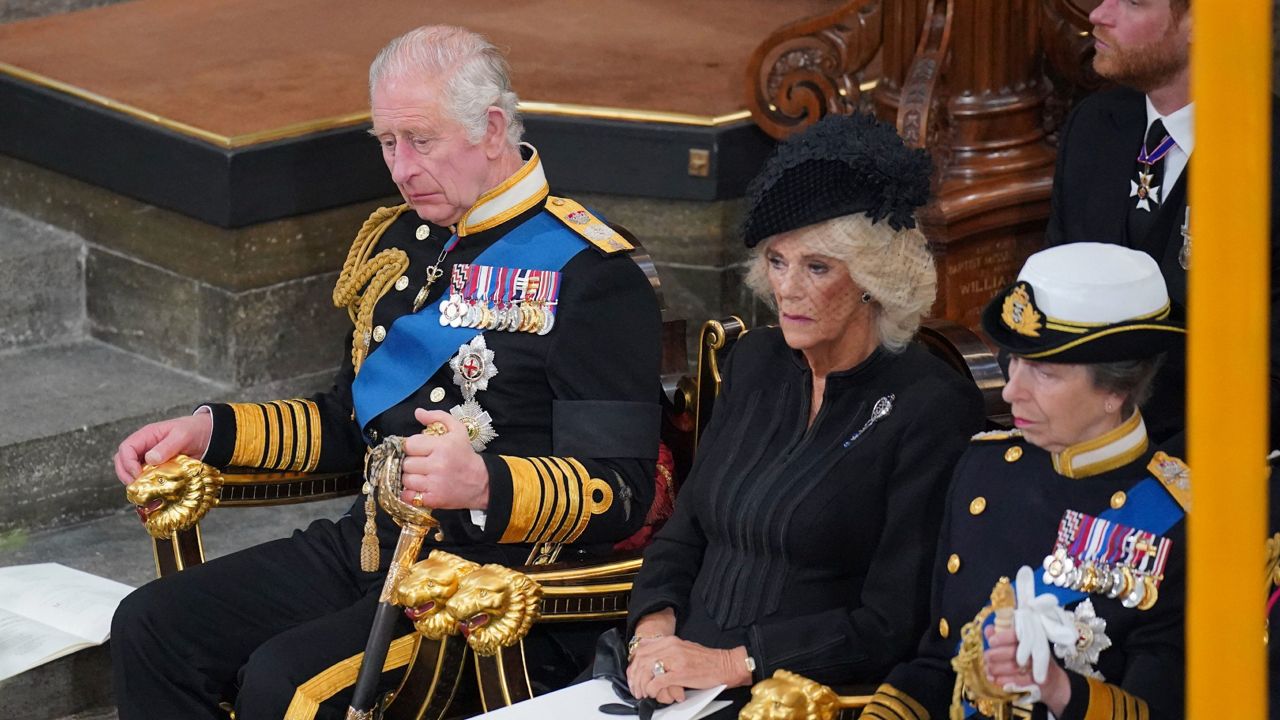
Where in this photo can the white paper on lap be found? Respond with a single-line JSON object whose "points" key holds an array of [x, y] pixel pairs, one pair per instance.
{"points": [[582, 702]]}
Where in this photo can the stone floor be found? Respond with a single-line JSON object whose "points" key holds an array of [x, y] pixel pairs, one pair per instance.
{"points": [[116, 547]]}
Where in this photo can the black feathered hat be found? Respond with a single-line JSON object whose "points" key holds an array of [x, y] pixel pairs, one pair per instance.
{"points": [[841, 165]]}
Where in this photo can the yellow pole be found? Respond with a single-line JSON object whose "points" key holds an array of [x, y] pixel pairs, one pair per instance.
{"points": [[1227, 358]]}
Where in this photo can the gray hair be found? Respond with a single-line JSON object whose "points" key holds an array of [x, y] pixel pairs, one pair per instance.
{"points": [[895, 266], [1130, 378], [476, 74]]}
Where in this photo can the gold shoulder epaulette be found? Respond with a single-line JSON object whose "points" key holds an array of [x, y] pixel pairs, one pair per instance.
{"points": [[996, 435], [593, 229], [1174, 475]]}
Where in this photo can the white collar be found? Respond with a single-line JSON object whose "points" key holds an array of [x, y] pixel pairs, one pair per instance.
{"points": [[1113, 449], [524, 189], [1180, 124]]}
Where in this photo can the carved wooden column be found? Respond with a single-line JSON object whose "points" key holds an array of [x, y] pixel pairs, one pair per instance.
{"points": [[969, 80]]}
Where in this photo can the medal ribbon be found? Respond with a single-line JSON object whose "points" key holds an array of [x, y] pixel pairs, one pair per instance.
{"points": [[1156, 155], [417, 345]]}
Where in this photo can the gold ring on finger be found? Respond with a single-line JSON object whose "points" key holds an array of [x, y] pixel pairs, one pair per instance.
{"points": [[436, 428], [417, 499]]}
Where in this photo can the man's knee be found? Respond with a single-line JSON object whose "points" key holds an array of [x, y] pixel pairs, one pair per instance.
{"points": [[149, 611], [268, 681]]}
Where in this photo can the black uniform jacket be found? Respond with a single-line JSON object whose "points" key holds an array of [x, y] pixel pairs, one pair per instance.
{"points": [[585, 391], [1097, 159], [1002, 513], [811, 545]]}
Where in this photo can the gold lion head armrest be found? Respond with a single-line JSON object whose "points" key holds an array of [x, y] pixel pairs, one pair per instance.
{"points": [[174, 495], [490, 605], [426, 590], [788, 696], [494, 608]]}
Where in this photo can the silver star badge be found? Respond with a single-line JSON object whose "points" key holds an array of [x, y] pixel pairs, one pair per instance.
{"points": [[478, 423], [473, 367], [1091, 640]]}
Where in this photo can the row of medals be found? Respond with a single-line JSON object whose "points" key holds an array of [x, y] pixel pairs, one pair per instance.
{"points": [[1134, 588], [528, 316]]}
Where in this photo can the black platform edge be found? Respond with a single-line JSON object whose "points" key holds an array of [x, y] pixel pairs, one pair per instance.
{"points": [[242, 186]]}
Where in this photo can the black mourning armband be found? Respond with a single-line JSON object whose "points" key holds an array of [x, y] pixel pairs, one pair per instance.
{"points": [[605, 428]]}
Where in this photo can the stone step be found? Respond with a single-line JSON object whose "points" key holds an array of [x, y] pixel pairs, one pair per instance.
{"points": [[78, 687], [63, 410], [42, 296]]}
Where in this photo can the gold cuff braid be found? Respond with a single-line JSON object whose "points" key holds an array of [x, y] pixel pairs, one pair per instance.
{"points": [[552, 499], [1108, 702], [890, 703], [279, 435]]}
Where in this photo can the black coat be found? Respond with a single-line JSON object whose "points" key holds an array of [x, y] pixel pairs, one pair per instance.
{"points": [[809, 548], [1097, 155], [1014, 524], [588, 389]]}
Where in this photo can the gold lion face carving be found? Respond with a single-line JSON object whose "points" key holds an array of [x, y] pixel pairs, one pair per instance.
{"points": [[174, 495], [494, 607], [788, 696], [426, 590]]}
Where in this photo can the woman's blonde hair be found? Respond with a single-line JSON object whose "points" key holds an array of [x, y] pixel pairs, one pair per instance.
{"points": [[895, 266]]}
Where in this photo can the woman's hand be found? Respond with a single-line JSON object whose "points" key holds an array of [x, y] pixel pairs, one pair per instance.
{"points": [[683, 664], [1005, 672]]}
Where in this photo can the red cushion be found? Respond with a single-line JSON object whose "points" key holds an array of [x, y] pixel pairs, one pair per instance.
{"points": [[664, 502]]}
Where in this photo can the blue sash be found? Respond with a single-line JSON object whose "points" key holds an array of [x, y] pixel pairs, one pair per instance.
{"points": [[1149, 507], [417, 345]]}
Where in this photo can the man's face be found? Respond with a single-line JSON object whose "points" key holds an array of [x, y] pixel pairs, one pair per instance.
{"points": [[1140, 43], [438, 171]]}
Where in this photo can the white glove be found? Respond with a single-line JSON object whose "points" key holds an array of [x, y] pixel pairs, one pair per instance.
{"points": [[1038, 621]]}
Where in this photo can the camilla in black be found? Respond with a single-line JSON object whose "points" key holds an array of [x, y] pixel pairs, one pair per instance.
{"points": [[804, 535]]}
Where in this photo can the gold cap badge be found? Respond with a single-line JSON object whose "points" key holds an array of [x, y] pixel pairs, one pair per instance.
{"points": [[1019, 314]]}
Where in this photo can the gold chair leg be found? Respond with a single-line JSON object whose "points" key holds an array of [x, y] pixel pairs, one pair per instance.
{"points": [[431, 681], [503, 678]]}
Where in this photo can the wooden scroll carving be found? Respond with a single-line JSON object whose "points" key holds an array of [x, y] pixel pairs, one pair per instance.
{"points": [[922, 107], [813, 67]]}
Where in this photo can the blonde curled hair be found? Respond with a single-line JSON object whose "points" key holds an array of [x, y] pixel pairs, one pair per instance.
{"points": [[895, 266]]}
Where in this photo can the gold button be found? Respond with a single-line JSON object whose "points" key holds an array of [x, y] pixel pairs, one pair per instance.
{"points": [[423, 232], [437, 394], [1012, 454], [978, 505], [403, 282], [557, 201], [1117, 500], [379, 334], [943, 628], [953, 564]]}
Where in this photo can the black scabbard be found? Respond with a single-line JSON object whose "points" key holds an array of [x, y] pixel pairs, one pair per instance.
{"points": [[365, 696]]}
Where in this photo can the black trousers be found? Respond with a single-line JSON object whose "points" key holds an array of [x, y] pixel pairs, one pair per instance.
{"points": [[252, 626]]}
